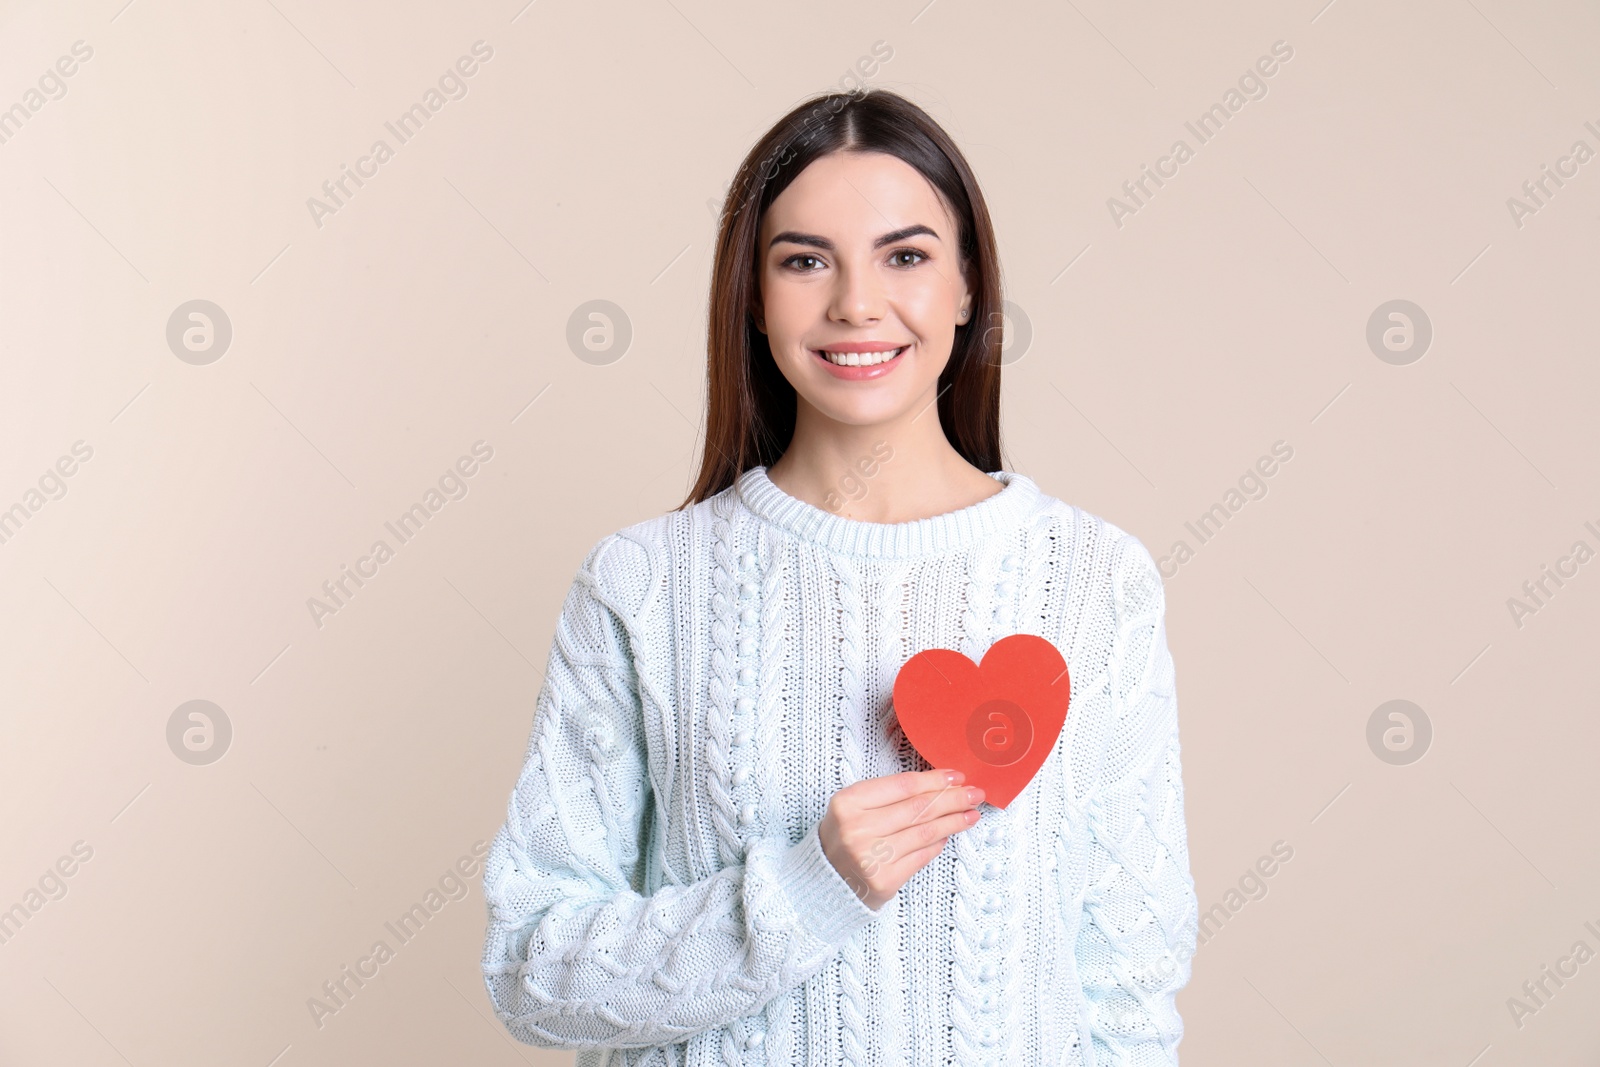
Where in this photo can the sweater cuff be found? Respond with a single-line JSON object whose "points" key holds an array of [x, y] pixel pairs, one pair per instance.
{"points": [[823, 902]]}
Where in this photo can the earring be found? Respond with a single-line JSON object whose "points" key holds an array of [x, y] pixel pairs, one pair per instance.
{"points": [[963, 316]]}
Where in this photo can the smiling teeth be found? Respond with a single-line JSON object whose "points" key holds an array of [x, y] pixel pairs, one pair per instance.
{"points": [[861, 359]]}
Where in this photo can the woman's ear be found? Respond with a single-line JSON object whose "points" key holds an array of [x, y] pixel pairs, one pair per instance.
{"points": [[964, 311]]}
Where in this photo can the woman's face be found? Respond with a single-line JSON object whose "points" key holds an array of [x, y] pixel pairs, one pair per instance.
{"points": [[859, 255]]}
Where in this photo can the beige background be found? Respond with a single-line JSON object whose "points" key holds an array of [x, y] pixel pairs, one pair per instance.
{"points": [[430, 311]]}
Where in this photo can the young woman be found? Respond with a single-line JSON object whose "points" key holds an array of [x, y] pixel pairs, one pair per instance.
{"points": [[721, 848]]}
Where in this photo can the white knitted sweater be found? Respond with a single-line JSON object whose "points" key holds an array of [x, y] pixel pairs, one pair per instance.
{"points": [[658, 894]]}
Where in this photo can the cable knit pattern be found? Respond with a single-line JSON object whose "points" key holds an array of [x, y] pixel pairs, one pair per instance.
{"points": [[1040, 574], [658, 895], [891, 1019], [853, 1007], [769, 753], [722, 732]]}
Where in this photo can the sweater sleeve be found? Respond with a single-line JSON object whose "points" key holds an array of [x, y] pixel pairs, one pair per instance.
{"points": [[1139, 924], [578, 954]]}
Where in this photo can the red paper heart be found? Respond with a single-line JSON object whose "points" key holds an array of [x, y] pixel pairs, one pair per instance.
{"points": [[996, 720]]}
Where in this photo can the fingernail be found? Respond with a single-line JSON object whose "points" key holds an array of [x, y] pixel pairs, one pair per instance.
{"points": [[974, 794], [953, 777]]}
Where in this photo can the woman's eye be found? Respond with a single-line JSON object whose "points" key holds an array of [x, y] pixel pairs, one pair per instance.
{"points": [[795, 259], [908, 252]]}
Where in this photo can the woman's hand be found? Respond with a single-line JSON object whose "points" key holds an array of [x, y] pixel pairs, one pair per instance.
{"points": [[878, 832]]}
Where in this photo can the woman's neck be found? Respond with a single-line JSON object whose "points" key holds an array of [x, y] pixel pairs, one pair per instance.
{"points": [[883, 474]]}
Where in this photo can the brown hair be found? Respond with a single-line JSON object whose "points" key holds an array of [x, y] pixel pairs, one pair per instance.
{"points": [[750, 406]]}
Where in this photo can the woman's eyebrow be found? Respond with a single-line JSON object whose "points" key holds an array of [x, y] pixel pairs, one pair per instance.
{"points": [[817, 241]]}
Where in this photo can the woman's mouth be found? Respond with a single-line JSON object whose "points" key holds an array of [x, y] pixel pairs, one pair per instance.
{"points": [[856, 365]]}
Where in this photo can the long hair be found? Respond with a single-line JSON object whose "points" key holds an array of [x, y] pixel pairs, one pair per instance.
{"points": [[750, 406]]}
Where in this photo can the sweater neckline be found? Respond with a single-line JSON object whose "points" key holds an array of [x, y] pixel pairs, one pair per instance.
{"points": [[934, 535]]}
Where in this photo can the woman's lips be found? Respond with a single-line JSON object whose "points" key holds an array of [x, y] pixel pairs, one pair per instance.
{"points": [[856, 374]]}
